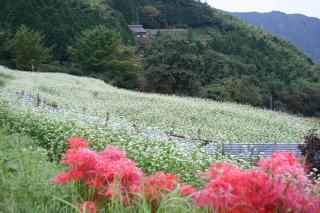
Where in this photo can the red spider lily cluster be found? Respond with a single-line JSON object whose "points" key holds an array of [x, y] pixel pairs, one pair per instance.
{"points": [[277, 184], [110, 173], [159, 184]]}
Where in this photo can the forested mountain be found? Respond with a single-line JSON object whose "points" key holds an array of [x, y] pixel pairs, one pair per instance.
{"points": [[208, 53], [59, 20], [161, 14], [300, 30]]}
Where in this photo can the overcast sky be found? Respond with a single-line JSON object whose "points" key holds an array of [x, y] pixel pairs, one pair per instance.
{"points": [[306, 7]]}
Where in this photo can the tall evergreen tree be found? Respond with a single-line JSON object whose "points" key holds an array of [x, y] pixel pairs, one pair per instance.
{"points": [[27, 49]]}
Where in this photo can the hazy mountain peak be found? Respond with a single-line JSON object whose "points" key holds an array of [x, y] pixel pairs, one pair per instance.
{"points": [[300, 30]]}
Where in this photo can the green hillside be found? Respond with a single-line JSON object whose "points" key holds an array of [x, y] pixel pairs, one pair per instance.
{"points": [[59, 20], [219, 122], [219, 57]]}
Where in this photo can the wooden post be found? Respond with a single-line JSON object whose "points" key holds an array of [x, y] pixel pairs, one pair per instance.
{"points": [[199, 134], [222, 147], [204, 143], [107, 118], [252, 151], [171, 132], [38, 100], [135, 128]]}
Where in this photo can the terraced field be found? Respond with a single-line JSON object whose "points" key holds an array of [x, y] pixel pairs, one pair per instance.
{"points": [[191, 117]]}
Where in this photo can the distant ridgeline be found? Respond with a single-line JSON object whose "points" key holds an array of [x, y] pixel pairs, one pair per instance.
{"points": [[215, 55], [302, 31]]}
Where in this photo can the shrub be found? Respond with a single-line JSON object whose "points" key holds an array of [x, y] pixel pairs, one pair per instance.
{"points": [[311, 151]]}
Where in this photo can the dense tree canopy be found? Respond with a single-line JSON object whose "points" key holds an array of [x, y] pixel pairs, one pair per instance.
{"points": [[161, 14], [99, 52], [59, 20], [4, 38], [172, 67], [241, 90]]}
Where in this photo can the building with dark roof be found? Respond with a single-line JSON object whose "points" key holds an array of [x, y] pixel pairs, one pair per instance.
{"points": [[138, 30]]}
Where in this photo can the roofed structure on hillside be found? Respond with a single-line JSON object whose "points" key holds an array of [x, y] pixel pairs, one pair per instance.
{"points": [[138, 30]]}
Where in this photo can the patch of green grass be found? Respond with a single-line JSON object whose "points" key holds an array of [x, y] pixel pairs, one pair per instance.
{"points": [[315, 120], [46, 89], [3, 78], [25, 176]]}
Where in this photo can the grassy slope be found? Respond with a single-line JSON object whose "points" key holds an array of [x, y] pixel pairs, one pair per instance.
{"points": [[4, 78], [218, 121], [25, 176]]}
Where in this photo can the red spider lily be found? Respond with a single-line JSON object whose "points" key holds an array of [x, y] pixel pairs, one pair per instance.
{"points": [[301, 201], [274, 186], [88, 207], [244, 192], [187, 190], [113, 154], [109, 172], [66, 177], [285, 166], [159, 184], [223, 168], [77, 143]]}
